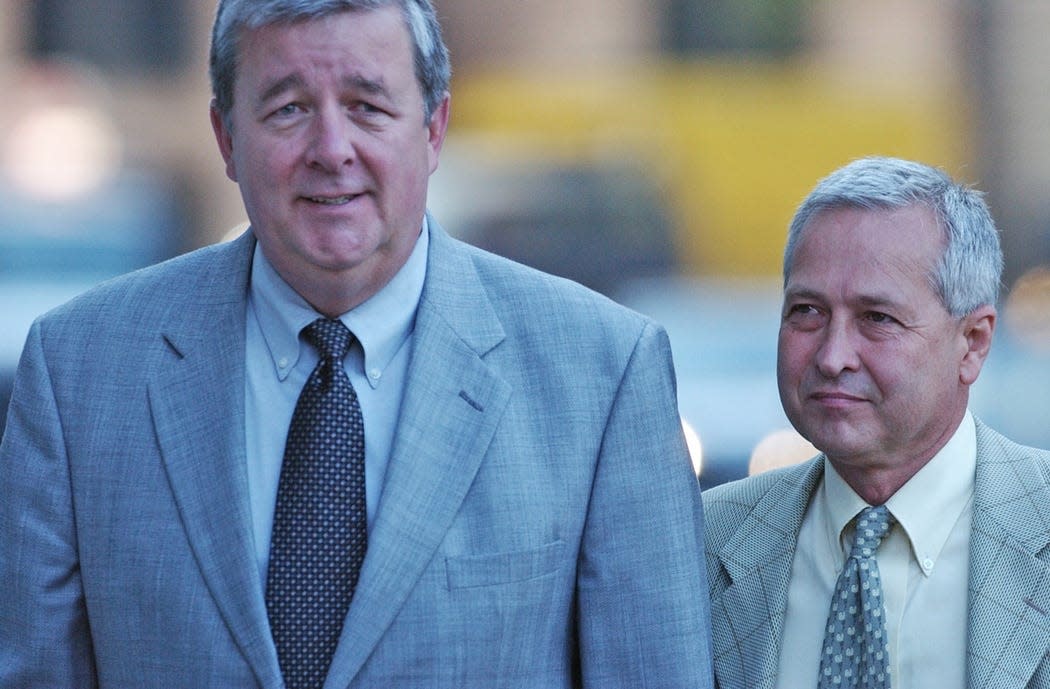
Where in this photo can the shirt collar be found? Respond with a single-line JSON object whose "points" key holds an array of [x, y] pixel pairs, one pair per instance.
{"points": [[382, 324], [927, 506]]}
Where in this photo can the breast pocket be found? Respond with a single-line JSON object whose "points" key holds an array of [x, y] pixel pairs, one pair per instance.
{"points": [[503, 568]]}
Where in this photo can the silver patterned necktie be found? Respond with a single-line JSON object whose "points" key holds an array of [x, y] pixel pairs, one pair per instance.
{"points": [[319, 533], [855, 652]]}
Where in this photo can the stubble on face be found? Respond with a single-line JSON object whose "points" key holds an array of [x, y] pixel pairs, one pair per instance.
{"points": [[868, 357]]}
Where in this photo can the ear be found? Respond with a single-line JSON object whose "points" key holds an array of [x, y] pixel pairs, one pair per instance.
{"points": [[978, 328], [436, 129], [224, 137]]}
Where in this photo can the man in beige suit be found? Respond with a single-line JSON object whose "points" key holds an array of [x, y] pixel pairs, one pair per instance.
{"points": [[891, 275]]}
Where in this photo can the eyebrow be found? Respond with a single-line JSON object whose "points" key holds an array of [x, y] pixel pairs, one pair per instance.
{"points": [[801, 293], [374, 87], [876, 300], [866, 300], [278, 87]]}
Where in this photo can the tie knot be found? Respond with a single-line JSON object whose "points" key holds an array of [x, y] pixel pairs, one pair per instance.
{"points": [[330, 337], [872, 525]]}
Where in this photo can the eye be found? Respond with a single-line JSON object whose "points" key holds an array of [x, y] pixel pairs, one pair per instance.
{"points": [[287, 110], [801, 310], [803, 317], [366, 109], [880, 318]]}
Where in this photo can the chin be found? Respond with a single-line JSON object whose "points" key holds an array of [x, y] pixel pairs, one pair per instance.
{"points": [[837, 442]]}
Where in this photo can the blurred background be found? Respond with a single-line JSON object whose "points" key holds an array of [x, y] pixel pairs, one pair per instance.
{"points": [[651, 149]]}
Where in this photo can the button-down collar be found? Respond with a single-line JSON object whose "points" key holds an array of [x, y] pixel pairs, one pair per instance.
{"points": [[381, 325], [926, 507]]}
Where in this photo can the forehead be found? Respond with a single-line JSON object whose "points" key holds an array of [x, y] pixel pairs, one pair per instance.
{"points": [[869, 250], [912, 231], [352, 39]]}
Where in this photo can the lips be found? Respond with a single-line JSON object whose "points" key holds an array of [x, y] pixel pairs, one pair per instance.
{"points": [[835, 394], [332, 200], [835, 398]]}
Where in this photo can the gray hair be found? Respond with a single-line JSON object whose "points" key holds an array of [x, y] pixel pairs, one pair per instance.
{"points": [[433, 70], [969, 272]]}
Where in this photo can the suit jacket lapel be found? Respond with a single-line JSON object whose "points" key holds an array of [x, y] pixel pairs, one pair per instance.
{"points": [[1009, 631], [748, 616], [197, 402], [453, 402]]}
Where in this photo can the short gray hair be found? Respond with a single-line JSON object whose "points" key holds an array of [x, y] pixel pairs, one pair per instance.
{"points": [[433, 70], [969, 272]]}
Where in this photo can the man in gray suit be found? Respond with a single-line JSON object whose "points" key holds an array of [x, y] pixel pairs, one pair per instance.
{"points": [[891, 274], [522, 498]]}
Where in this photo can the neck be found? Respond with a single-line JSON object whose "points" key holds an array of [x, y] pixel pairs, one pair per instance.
{"points": [[875, 487], [877, 475], [337, 291]]}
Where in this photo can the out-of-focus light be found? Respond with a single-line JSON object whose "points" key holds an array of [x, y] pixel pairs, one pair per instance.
{"points": [[696, 450], [779, 449], [1027, 311], [234, 232], [60, 153]]}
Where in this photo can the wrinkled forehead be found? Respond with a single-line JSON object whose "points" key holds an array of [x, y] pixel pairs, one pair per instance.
{"points": [[883, 246], [877, 229]]}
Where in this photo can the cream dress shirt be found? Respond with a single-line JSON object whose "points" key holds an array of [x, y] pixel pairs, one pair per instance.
{"points": [[924, 563]]}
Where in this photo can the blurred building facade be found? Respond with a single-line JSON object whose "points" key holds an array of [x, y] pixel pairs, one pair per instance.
{"points": [[607, 140], [1011, 92], [732, 107]]}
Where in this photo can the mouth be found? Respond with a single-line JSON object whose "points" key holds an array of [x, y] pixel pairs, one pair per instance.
{"points": [[833, 397], [332, 200]]}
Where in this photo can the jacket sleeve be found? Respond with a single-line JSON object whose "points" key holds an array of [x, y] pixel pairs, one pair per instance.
{"points": [[44, 633], [643, 605]]}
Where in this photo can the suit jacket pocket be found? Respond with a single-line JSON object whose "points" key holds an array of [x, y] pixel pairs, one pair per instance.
{"points": [[503, 568]]}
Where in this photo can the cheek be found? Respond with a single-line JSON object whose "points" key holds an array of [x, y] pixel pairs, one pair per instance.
{"points": [[786, 376], [901, 377], [267, 155], [270, 166], [794, 354]]}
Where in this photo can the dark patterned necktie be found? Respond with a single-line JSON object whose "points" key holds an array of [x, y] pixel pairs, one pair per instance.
{"points": [[319, 537], [855, 646]]}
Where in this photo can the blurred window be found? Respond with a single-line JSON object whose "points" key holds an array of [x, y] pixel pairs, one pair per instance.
{"points": [[139, 36], [720, 27]]}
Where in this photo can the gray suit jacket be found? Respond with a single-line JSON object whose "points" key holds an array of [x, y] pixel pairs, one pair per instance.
{"points": [[540, 525], [752, 528]]}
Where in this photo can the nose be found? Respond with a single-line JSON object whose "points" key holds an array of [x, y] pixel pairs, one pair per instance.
{"points": [[331, 141], [837, 352]]}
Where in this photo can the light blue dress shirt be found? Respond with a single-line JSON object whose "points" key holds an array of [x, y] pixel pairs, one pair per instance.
{"points": [[278, 363]]}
